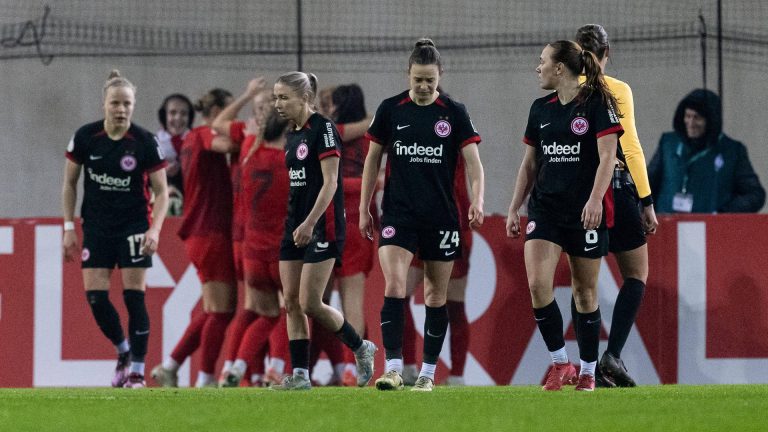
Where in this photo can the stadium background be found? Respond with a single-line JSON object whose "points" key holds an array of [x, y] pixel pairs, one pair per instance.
{"points": [[55, 56]]}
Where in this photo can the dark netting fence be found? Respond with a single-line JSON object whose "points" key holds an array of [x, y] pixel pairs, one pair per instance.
{"points": [[370, 35]]}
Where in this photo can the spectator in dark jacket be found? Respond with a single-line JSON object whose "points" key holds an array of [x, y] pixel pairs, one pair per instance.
{"points": [[699, 169]]}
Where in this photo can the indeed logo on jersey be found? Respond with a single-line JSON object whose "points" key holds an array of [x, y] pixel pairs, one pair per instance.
{"points": [[417, 152], [298, 177], [555, 151], [109, 183]]}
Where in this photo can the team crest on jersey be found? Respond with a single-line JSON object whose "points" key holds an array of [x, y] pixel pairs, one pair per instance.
{"points": [[530, 227], [388, 232], [128, 163], [85, 254], [579, 126], [302, 151], [442, 128]]}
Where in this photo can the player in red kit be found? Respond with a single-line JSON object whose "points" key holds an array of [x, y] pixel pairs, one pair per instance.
{"points": [[207, 233]]}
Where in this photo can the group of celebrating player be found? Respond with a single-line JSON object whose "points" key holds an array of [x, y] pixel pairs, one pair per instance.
{"points": [[289, 237]]}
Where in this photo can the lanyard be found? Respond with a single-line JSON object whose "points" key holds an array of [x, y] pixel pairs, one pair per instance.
{"points": [[690, 162]]}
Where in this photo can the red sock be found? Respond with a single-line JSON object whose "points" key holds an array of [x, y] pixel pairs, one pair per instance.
{"points": [[409, 335], [334, 349], [191, 338], [256, 365], [255, 342], [212, 338], [349, 356], [278, 341], [236, 331], [459, 325]]}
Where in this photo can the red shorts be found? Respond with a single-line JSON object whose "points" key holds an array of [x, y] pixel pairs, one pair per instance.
{"points": [[264, 275], [212, 256], [357, 256], [460, 265], [358, 251], [237, 252]]}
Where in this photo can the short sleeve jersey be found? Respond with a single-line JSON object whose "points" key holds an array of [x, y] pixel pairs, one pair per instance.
{"points": [[423, 144], [565, 138], [116, 181], [207, 187], [265, 200], [305, 148]]}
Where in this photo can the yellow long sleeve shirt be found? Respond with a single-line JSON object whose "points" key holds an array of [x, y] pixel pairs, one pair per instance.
{"points": [[630, 142]]}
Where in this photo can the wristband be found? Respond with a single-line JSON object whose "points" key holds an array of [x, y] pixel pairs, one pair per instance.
{"points": [[69, 226], [647, 201]]}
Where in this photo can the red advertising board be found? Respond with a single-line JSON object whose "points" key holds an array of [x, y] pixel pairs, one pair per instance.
{"points": [[703, 318]]}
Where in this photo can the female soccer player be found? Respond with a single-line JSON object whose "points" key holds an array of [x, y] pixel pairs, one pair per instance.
{"points": [[572, 138], [314, 228], [627, 237], [243, 135], [176, 116], [122, 161], [263, 201], [424, 133], [207, 233]]}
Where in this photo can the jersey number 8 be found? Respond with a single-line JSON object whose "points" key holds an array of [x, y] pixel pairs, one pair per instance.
{"points": [[454, 238]]}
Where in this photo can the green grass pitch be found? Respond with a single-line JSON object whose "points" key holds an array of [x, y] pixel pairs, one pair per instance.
{"points": [[730, 408]]}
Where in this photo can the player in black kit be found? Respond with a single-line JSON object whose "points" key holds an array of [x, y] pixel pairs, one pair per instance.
{"points": [[122, 161], [314, 229], [572, 137], [424, 133]]}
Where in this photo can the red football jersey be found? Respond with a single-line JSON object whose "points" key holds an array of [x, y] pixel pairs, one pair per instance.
{"points": [[265, 187], [207, 186]]}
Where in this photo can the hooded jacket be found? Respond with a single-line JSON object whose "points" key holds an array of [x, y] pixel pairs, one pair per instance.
{"points": [[714, 169]]}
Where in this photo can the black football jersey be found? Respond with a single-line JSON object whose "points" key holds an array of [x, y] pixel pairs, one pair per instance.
{"points": [[423, 144], [304, 149], [116, 178], [565, 137]]}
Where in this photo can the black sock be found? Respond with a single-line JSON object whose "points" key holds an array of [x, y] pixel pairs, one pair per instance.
{"points": [[392, 323], [435, 326], [138, 323], [574, 317], [299, 349], [624, 313], [349, 336], [550, 322], [106, 316], [589, 335]]}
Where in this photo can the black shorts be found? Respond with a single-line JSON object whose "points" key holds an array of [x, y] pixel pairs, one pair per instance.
{"points": [[107, 252], [314, 252], [575, 242], [431, 244], [627, 232]]}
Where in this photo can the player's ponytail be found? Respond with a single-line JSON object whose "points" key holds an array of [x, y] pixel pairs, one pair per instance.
{"points": [[302, 83], [576, 60], [214, 98], [425, 53], [116, 80], [594, 38]]}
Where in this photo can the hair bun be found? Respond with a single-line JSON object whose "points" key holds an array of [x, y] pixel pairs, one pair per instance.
{"points": [[425, 42], [114, 74]]}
